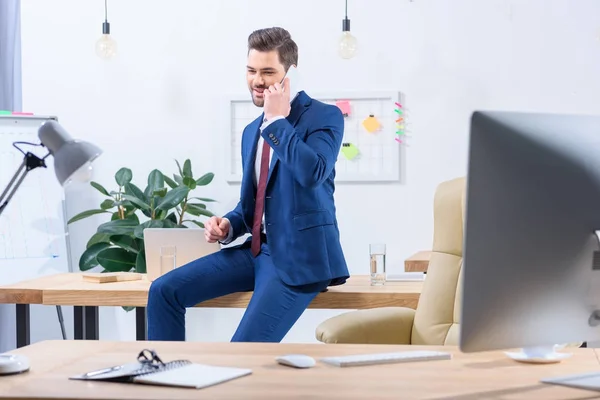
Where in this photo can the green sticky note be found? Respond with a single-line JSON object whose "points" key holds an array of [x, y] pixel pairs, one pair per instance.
{"points": [[349, 151], [4, 112]]}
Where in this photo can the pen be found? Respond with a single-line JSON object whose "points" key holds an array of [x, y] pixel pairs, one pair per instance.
{"points": [[102, 371]]}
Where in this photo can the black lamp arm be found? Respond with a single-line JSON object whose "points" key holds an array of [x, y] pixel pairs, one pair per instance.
{"points": [[30, 161]]}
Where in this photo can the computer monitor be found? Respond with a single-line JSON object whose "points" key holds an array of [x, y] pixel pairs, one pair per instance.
{"points": [[531, 272]]}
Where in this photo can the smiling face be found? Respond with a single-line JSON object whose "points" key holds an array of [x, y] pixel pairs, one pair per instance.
{"points": [[263, 70], [271, 51]]}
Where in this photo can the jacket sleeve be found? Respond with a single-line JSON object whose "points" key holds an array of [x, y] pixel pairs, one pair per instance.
{"points": [[311, 161]]}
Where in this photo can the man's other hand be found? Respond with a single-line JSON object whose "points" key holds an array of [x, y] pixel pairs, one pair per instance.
{"points": [[216, 229]]}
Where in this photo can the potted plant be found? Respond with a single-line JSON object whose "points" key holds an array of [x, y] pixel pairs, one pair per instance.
{"points": [[118, 244]]}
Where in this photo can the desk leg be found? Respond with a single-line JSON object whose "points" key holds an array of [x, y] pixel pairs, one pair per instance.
{"points": [[86, 322], [141, 331], [23, 328]]}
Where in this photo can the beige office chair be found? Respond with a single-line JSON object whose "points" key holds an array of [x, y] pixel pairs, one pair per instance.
{"points": [[436, 320]]}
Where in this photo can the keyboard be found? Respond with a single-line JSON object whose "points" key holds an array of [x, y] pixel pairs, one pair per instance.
{"points": [[386, 358]]}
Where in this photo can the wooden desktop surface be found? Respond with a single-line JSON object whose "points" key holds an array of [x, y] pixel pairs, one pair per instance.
{"points": [[489, 375], [70, 289], [418, 262]]}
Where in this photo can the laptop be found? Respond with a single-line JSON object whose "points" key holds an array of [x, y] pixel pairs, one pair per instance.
{"points": [[168, 248]]}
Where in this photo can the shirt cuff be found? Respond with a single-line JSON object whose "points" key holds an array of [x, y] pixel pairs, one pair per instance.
{"points": [[269, 122], [229, 237]]}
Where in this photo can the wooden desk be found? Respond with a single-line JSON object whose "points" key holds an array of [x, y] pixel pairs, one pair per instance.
{"points": [[69, 289], [418, 262], [489, 375]]}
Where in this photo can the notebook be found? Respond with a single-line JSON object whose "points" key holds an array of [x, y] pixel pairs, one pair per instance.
{"points": [[150, 370]]}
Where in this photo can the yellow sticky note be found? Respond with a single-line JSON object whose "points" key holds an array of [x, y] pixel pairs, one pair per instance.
{"points": [[371, 124], [349, 150]]}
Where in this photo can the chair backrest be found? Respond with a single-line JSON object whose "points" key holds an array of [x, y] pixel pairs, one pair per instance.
{"points": [[437, 319]]}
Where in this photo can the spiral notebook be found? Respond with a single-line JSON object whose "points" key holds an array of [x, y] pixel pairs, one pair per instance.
{"points": [[150, 370]]}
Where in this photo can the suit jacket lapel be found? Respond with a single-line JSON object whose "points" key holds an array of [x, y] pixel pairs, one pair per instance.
{"points": [[299, 106]]}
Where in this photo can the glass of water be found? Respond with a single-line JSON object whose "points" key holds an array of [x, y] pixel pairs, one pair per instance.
{"points": [[168, 259], [377, 259]]}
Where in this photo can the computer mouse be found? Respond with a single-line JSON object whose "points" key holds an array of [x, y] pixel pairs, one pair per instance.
{"points": [[296, 361], [13, 364]]}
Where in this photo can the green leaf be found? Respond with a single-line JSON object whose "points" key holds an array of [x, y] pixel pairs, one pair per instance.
{"points": [[198, 211], [195, 209], [115, 259], [98, 238], [179, 168], [85, 214], [178, 179], [205, 179], [88, 259], [135, 191], [118, 227], [115, 216], [126, 242], [136, 202], [156, 181], [197, 205], [108, 203], [160, 193], [189, 182], [173, 198], [123, 176], [202, 199], [200, 224], [172, 217], [187, 169], [160, 214], [99, 188], [167, 223], [140, 262], [128, 308], [170, 182], [153, 223]]}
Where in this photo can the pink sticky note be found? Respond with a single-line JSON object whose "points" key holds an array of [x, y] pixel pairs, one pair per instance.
{"points": [[344, 105]]}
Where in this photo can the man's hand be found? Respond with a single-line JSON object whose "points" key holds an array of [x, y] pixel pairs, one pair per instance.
{"points": [[216, 229], [277, 100]]}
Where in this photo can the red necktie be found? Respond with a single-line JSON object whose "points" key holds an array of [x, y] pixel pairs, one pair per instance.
{"points": [[260, 199]]}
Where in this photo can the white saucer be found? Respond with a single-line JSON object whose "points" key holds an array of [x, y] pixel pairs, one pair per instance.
{"points": [[545, 359]]}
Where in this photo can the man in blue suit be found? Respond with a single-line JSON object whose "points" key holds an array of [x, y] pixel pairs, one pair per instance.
{"points": [[286, 203]]}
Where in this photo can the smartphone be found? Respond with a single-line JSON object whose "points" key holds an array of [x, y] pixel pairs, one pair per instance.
{"points": [[292, 74]]}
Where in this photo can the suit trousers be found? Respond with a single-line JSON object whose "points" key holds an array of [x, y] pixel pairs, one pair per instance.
{"points": [[272, 311]]}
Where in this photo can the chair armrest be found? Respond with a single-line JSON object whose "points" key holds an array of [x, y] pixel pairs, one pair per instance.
{"points": [[386, 325]]}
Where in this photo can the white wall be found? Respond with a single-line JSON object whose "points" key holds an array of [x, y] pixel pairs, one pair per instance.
{"points": [[162, 97]]}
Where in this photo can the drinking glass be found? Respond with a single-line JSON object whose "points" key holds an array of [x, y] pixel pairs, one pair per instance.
{"points": [[377, 258], [168, 259]]}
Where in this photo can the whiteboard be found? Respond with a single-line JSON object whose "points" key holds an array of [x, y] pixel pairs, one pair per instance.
{"points": [[33, 240], [379, 153]]}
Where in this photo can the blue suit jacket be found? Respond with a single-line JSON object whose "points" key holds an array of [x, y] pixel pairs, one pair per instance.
{"points": [[300, 218]]}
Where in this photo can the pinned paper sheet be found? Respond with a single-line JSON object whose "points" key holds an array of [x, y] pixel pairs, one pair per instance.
{"points": [[349, 150], [344, 106], [371, 124]]}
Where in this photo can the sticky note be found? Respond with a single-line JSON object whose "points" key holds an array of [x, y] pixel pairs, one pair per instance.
{"points": [[371, 124], [4, 112], [349, 150], [344, 106]]}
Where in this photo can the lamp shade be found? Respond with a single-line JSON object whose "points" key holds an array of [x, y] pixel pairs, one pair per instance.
{"points": [[70, 155]]}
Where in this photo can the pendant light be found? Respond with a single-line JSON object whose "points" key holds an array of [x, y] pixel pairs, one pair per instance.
{"points": [[106, 46], [348, 44]]}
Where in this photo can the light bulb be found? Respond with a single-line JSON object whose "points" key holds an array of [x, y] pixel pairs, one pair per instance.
{"points": [[106, 47], [348, 45]]}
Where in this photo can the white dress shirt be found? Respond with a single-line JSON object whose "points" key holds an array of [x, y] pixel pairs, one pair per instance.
{"points": [[256, 176]]}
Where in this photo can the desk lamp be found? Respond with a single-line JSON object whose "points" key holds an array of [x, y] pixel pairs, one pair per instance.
{"points": [[70, 156]]}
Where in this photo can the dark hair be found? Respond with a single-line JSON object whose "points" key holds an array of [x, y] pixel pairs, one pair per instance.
{"points": [[279, 39]]}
